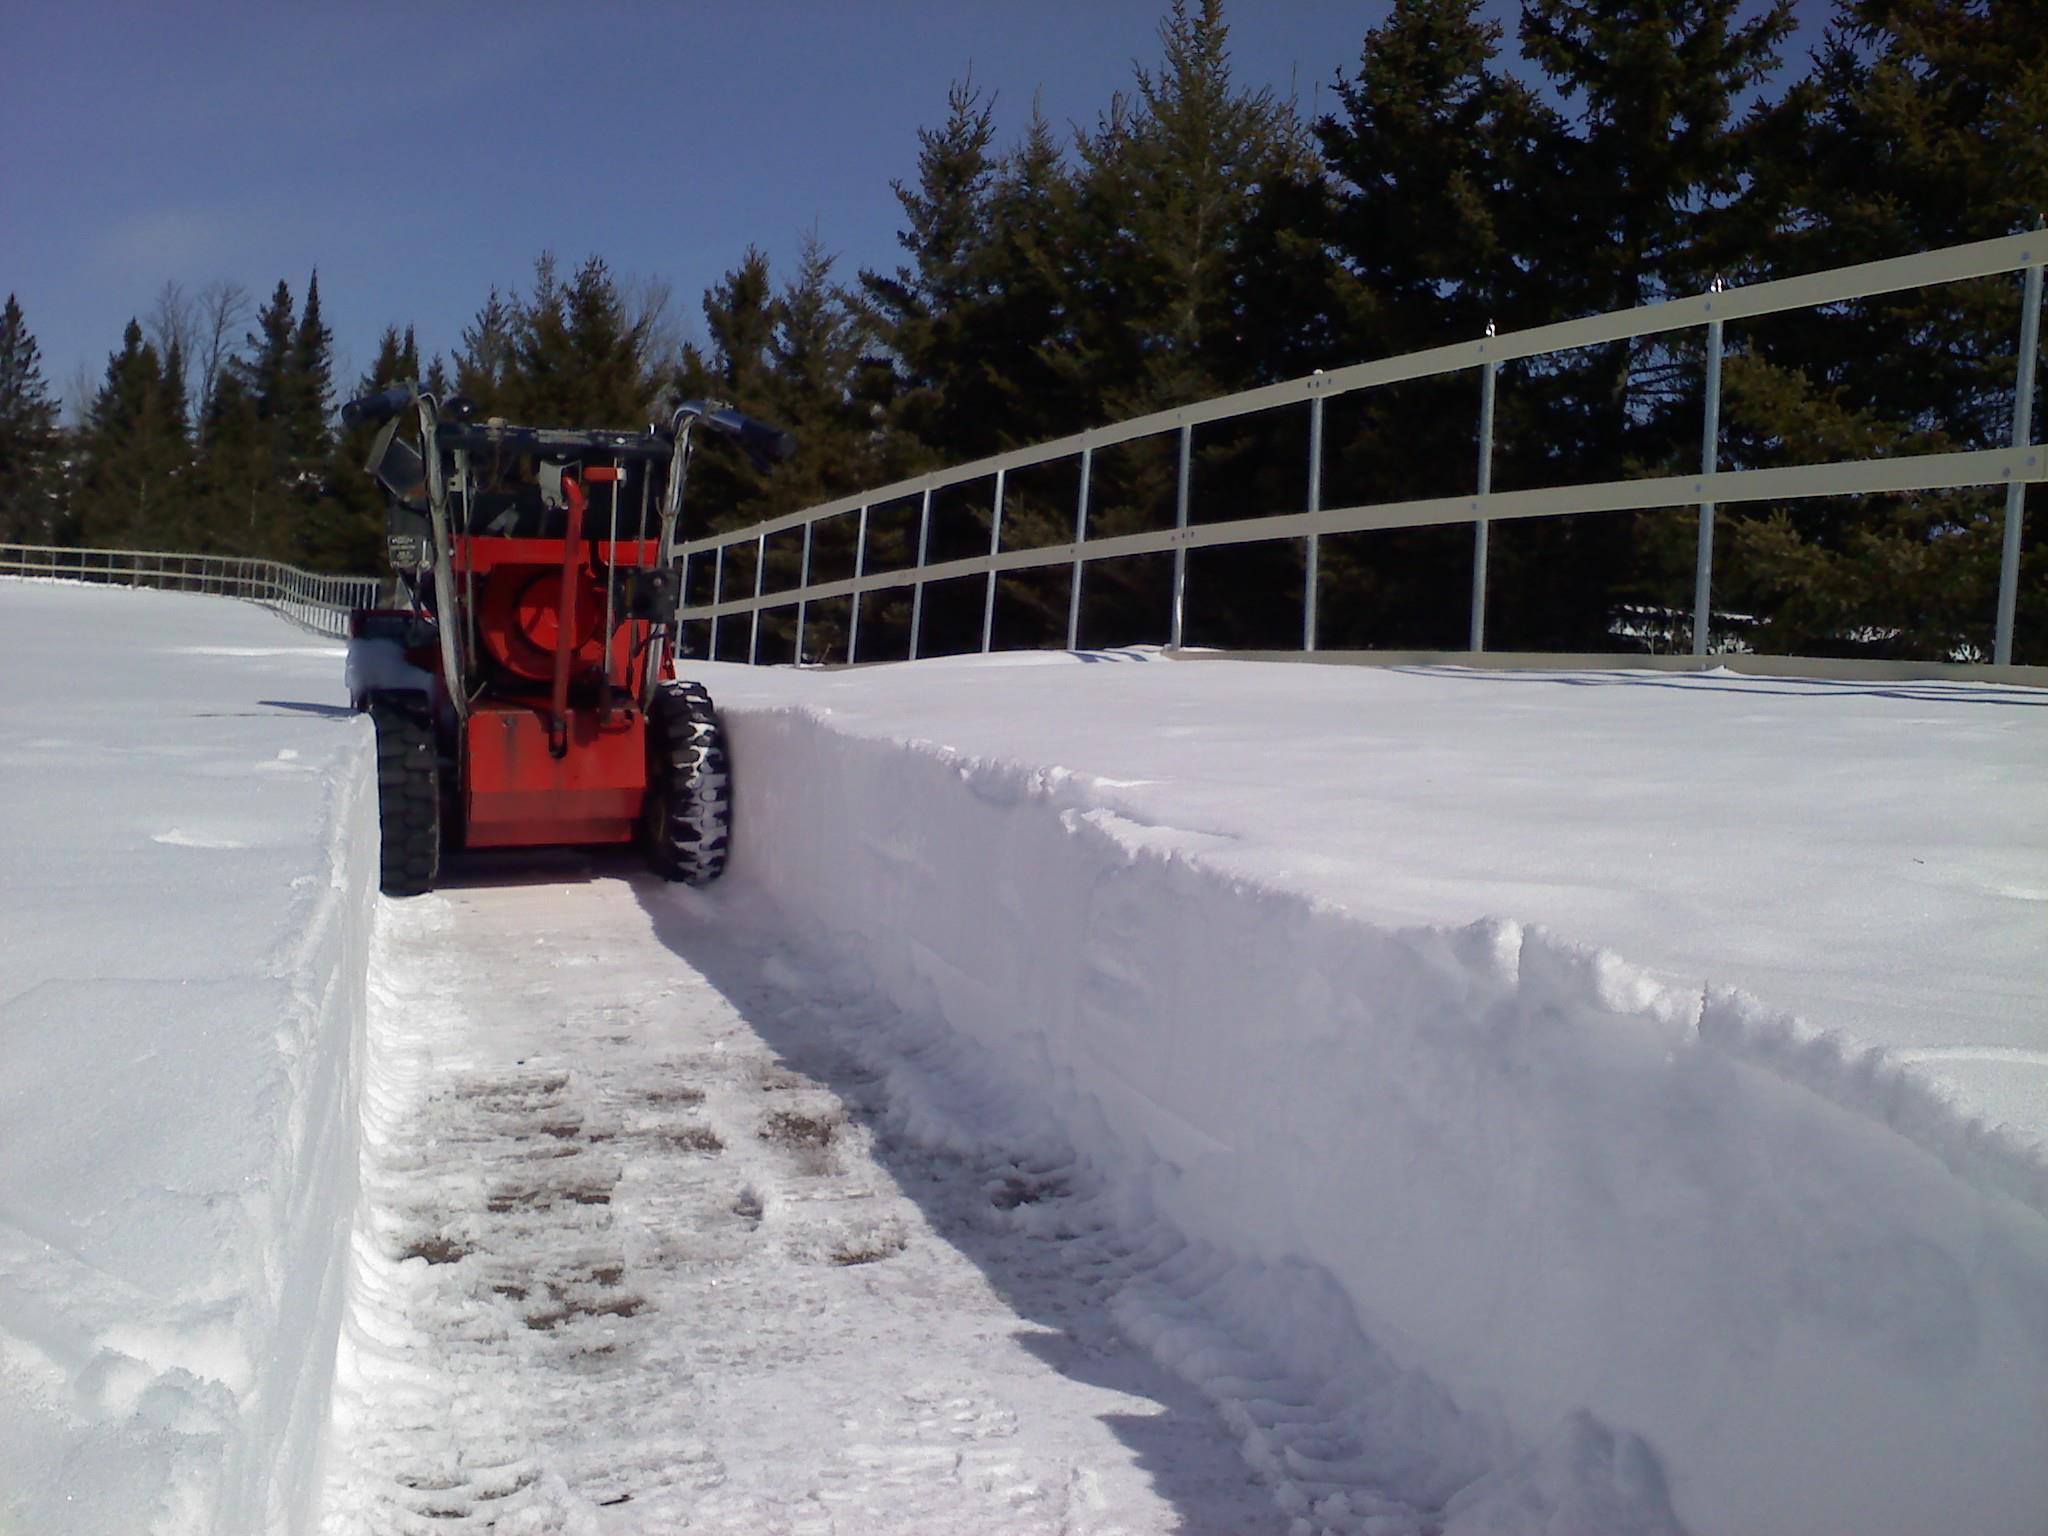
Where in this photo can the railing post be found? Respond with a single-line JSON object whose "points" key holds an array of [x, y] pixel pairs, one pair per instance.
{"points": [[717, 597], [860, 566], [803, 604], [1080, 538], [924, 532], [2022, 435], [995, 544], [1477, 639], [1315, 540], [1710, 460], [1180, 523], [754, 630]]}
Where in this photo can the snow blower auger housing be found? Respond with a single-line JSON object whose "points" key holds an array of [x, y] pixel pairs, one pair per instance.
{"points": [[525, 693]]}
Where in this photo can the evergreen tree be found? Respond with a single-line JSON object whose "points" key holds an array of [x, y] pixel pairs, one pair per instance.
{"points": [[571, 353], [1638, 180], [1920, 127], [1173, 269], [483, 362], [739, 316], [135, 489], [609, 352], [264, 367], [30, 483], [795, 356], [1436, 193], [1167, 192], [312, 379], [253, 437], [239, 483], [922, 311]]}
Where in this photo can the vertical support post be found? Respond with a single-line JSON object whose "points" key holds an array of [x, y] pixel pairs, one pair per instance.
{"points": [[1180, 549], [717, 597], [760, 571], [995, 544], [1080, 538], [860, 565], [803, 604], [924, 534], [1485, 489], [1315, 540], [1710, 460], [2016, 493]]}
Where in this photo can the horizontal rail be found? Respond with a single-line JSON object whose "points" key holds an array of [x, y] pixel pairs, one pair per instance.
{"points": [[1932, 471], [1984, 258], [313, 600], [2014, 468]]}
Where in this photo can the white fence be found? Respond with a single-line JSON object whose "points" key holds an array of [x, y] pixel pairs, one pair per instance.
{"points": [[309, 599], [2013, 468]]}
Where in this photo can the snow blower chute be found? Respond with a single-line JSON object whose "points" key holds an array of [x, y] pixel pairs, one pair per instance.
{"points": [[526, 693]]}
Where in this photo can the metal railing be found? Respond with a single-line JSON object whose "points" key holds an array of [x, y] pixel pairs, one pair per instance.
{"points": [[2015, 467], [309, 599]]}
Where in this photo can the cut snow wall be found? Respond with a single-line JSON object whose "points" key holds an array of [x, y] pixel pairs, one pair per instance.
{"points": [[273, 1476], [1530, 1174], [181, 1161]]}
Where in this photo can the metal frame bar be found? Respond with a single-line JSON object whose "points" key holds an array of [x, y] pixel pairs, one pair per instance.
{"points": [[1483, 491], [1313, 552], [1710, 461], [2016, 493], [995, 548], [924, 534], [860, 561]]}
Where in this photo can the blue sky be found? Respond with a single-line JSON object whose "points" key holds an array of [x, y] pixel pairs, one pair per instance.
{"points": [[418, 153]]}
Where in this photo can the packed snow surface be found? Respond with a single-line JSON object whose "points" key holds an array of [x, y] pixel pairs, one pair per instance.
{"points": [[642, 1250], [1106, 1094], [184, 923]]}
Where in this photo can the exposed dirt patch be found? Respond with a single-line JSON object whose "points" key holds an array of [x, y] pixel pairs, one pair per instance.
{"points": [[533, 1197], [869, 1250], [691, 1138], [438, 1249], [789, 1128], [673, 1093]]}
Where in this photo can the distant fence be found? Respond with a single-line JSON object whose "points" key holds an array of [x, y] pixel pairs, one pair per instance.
{"points": [[2013, 468], [309, 599]]}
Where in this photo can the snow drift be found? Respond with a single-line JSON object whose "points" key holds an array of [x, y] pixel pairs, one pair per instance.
{"points": [[1633, 1253], [187, 871]]}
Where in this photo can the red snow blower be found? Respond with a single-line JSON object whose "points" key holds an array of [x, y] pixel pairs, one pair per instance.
{"points": [[526, 694]]}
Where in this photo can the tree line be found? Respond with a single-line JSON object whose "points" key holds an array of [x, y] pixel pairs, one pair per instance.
{"points": [[1202, 236]]}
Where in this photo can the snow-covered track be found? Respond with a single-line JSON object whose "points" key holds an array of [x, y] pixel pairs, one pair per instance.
{"points": [[631, 1258]]}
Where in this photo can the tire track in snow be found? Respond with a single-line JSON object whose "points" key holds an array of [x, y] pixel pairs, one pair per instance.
{"points": [[619, 1265]]}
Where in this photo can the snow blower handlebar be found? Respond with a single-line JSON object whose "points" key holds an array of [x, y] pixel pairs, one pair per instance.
{"points": [[764, 443], [381, 406]]}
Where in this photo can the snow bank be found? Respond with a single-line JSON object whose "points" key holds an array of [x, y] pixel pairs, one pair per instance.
{"points": [[1552, 1244], [187, 866]]}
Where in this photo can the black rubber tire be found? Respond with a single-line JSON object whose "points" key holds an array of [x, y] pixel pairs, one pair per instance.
{"points": [[687, 827], [408, 797]]}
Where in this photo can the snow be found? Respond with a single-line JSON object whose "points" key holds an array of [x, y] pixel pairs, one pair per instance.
{"points": [[1106, 1094], [1588, 1203], [639, 1252], [183, 926]]}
